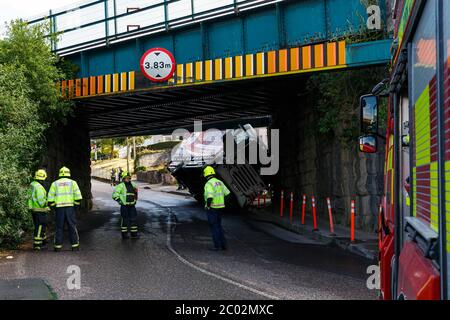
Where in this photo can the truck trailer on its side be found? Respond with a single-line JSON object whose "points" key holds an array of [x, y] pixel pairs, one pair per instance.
{"points": [[200, 149]]}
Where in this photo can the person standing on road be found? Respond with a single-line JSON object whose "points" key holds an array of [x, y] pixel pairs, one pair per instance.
{"points": [[215, 193], [37, 203], [119, 175], [181, 186], [64, 195], [113, 177], [126, 194]]}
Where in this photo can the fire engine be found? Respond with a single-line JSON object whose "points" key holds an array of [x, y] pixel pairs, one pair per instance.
{"points": [[414, 233]]}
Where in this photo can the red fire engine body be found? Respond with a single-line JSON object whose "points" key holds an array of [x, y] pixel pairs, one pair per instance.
{"points": [[415, 210]]}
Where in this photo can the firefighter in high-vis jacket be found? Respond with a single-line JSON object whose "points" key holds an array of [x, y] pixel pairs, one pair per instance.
{"points": [[64, 195], [215, 193], [126, 194], [37, 203]]}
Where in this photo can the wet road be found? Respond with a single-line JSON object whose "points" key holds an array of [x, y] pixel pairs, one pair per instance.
{"points": [[171, 260]]}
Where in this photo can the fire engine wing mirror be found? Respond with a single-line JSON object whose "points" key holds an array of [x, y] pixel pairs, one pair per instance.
{"points": [[368, 144], [369, 114]]}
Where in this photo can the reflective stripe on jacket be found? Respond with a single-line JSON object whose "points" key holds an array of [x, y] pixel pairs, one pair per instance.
{"points": [[64, 192], [216, 190], [37, 197], [126, 196]]}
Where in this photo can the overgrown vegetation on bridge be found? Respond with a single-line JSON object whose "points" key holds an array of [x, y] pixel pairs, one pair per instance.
{"points": [[29, 104], [336, 102]]}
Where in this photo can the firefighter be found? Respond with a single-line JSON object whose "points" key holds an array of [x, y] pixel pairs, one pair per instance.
{"points": [[64, 195], [126, 194], [215, 193], [37, 203]]}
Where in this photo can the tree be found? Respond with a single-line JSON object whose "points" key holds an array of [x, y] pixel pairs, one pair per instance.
{"points": [[106, 146], [29, 104], [26, 48]]}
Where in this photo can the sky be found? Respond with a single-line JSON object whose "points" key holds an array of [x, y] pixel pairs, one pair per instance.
{"points": [[12, 9]]}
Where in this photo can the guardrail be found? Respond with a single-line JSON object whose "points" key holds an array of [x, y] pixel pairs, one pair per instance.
{"points": [[103, 22]]}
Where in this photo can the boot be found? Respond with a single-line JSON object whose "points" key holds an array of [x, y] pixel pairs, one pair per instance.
{"points": [[125, 236]]}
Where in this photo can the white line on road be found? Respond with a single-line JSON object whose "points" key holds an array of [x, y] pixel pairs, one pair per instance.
{"points": [[209, 273]]}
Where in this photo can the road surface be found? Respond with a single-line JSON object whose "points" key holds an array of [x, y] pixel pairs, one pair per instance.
{"points": [[171, 260]]}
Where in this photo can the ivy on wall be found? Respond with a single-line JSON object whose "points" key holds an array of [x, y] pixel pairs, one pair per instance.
{"points": [[335, 101]]}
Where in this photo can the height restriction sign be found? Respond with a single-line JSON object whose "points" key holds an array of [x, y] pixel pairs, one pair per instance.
{"points": [[158, 64]]}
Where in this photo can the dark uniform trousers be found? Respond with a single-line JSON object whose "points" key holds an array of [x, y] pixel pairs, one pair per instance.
{"points": [[66, 215], [40, 226], [129, 220], [215, 223]]}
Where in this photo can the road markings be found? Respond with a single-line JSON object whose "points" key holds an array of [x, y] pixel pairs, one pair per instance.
{"points": [[209, 273]]}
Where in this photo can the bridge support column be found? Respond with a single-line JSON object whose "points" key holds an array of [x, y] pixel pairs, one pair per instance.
{"points": [[325, 166], [69, 145]]}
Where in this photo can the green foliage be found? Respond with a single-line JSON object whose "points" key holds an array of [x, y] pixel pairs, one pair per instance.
{"points": [[20, 132], [140, 169], [29, 104], [356, 32], [163, 170], [163, 145], [106, 146], [335, 100], [139, 140], [25, 48], [104, 155], [68, 68], [336, 95]]}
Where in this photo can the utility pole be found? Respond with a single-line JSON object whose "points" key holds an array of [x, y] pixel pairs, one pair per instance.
{"points": [[134, 148], [95, 150], [128, 155]]}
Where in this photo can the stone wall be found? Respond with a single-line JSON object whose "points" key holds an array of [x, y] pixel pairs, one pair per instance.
{"points": [[326, 167], [69, 145], [155, 177], [154, 159]]}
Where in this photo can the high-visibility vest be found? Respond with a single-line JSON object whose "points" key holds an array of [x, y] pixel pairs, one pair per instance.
{"points": [[64, 192], [125, 193], [37, 197], [216, 190]]}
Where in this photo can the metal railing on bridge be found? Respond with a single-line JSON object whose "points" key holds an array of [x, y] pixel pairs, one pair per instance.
{"points": [[91, 24]]}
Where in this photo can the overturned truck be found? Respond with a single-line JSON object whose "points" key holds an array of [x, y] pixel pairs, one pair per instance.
{"points": [[231, 153]]}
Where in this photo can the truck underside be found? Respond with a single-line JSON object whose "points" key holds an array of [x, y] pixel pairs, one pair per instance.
{"points": [[202, 149]]}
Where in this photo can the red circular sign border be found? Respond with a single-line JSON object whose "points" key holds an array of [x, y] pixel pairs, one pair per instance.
{"points": [[141, 64]]}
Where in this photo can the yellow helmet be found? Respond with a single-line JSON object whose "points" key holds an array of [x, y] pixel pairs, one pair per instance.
{"points": [[40, 175], [64, 172], [125, 174], [208, 171]]}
